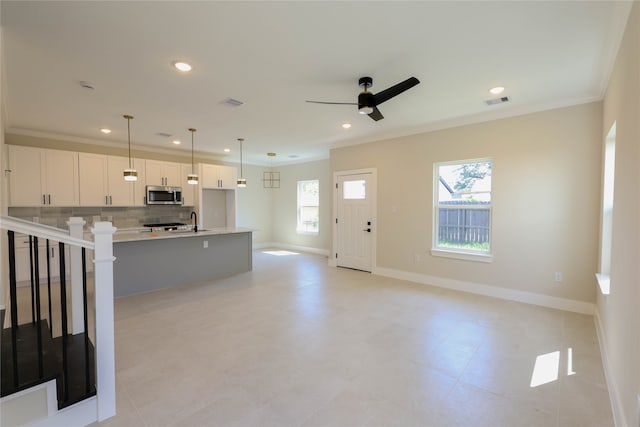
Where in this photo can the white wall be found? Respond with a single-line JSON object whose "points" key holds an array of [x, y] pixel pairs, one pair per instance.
{"points": [[285, 205], [619, 312], [254, 205], [546, 184]]}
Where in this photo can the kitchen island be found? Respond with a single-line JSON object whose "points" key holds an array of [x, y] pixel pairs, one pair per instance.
{"points": [[148, 261]]}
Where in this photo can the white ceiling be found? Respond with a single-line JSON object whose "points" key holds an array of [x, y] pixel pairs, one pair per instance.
{"points": [[275, 55]]}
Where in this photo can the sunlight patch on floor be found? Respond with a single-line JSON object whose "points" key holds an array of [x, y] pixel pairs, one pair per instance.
{"points": [[546, 369], [280, 253]]}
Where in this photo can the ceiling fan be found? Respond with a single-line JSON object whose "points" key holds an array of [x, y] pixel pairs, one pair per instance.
{"points": [[368, 102]]}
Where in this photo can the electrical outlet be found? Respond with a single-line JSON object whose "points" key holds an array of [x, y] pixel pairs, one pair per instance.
{"points": [[638, 397], [205, 244], [417, 257], [558, 276]]}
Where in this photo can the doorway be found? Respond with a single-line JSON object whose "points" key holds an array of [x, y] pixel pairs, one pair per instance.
{"points": [[355, 227]]}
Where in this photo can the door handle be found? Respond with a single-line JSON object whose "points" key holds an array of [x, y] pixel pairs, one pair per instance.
{"points": [[368, 230]]}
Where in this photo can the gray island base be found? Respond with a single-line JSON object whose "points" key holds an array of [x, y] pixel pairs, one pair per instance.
{"points": [[148, 262]]}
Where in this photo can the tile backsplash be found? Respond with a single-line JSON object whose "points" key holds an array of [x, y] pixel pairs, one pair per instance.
{"points": [[124, 217]]}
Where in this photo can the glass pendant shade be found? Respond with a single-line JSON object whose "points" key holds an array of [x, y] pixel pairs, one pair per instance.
{"points": [[130, 174], [192, 179], [242, 182]]}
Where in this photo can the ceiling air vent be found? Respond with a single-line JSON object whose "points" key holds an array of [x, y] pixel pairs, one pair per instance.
{"points": [[230, 102], [497, 100], [164, 134]]}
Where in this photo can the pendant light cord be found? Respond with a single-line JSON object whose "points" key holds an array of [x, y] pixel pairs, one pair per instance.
{"points": [[129, 135]]}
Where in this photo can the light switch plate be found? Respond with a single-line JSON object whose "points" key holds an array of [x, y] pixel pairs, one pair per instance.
{"points": [[205, 244]]}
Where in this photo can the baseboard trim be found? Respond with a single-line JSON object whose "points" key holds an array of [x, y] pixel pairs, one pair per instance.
{"points": [[614, 396], [491, 291], [306, 249]]}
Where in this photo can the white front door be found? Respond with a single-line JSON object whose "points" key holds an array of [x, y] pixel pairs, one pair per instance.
{"points": [[355, 228]]}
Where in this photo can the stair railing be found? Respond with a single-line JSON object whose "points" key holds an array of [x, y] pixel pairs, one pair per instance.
{"points": [[102, 245]]}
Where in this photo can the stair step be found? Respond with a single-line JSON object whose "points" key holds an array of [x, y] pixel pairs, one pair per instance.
{"points": [[76, 374], [28, 363], [28, 374]]}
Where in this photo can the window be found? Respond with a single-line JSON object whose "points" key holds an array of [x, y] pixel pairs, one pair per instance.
{"points": [[462, 209], [308, 206], [607, 210]]}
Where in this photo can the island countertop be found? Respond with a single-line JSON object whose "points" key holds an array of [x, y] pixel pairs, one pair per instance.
{"points": [[135, 235]]}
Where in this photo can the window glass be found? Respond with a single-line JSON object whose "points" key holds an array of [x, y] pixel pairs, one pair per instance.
{"points": [[354, 189], [308, 206], [462, 220]]}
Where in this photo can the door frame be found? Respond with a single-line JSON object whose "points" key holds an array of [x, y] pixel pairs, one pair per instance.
{"points": [[373, 192]]}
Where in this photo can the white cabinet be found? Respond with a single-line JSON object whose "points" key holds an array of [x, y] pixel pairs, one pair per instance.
{"points": [[102, 182], [43, 177], [23, 260], [216, 176], [163, 173], [188, 190]]}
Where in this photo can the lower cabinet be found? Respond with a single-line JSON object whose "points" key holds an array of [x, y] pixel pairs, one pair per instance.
{"points": [[23, 263]]}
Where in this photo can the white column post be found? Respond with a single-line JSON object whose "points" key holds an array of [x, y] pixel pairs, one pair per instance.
{"points": [[105, 345], [76, 227]]}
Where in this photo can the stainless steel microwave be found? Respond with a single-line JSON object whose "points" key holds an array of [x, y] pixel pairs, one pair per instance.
{"points": [[163, 195]]}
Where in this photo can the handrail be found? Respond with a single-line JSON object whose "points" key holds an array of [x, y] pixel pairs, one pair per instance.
{"points": [[44, 231]]}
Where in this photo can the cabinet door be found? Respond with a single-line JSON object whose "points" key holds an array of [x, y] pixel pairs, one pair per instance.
{"points": [[120, 191], [61, 178], [228, 177], [139, 190], [209, 176], [25, 178], [154, 172], [173, 174], [188, 190], [93, 179]]}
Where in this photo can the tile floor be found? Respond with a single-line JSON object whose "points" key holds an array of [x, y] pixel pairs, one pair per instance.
{"points": [[296, 343]]}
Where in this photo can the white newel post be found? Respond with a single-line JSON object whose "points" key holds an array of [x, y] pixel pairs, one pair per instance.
{"points": [[105, 345], [76, 227]]}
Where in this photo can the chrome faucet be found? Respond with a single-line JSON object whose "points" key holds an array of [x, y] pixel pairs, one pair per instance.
{"points": [[195, 225]]}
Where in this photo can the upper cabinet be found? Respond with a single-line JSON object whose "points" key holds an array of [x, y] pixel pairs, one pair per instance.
{"points": [[163, 173], [41, 177], [216, 176], [102, 182], [139, 186]]}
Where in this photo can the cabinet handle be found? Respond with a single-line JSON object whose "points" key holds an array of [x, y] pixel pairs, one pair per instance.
{"points": [[44, 199], [52, 253], [106, 200], [110, 200], [49, 198]]}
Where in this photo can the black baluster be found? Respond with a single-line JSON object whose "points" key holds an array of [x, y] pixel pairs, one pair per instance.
{"points": [[49, 288], [86, 322], [33, 299], [63, 309], [14, 305], [36, 269]]}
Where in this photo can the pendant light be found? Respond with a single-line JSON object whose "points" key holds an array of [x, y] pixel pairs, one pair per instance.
{"points": [[130, 174], [242, 182], [192, 178]]}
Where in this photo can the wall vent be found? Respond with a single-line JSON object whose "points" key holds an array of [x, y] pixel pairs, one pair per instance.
{"points": [[230, 102], [497, 100]]}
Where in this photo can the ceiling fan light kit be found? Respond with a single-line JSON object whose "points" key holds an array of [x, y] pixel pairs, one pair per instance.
{"points": [[368, 102]]}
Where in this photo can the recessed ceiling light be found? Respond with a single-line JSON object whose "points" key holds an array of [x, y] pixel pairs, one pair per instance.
{"points": [[177, 142], [496, 90], [346, 125], [105, 130], [293, 156], [182, 66], [227, 150]]}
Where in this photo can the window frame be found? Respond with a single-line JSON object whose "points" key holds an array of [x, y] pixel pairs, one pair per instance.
{"points": [[460, 253], [299, 206]]}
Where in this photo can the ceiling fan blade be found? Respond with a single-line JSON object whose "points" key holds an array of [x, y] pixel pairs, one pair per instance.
{"points": [[332, 103], [395, 90], [376, 114]]}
